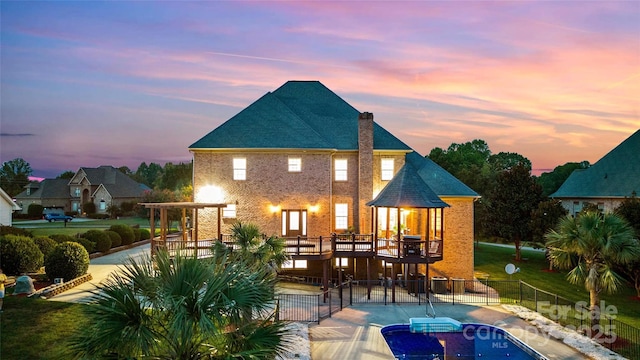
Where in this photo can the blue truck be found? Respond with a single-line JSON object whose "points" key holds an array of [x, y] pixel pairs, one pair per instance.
{"points": [[57, 217]]}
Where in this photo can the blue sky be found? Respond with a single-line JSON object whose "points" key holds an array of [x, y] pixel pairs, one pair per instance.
{"points": [[86, 83]]}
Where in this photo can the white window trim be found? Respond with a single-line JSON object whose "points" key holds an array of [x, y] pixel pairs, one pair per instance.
{"points": [[342, 216], [240, 168], [386, 173], [295, 164], [340, 173], [229, 212]]}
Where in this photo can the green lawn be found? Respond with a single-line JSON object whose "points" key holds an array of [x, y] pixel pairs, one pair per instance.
{"points": [[491, 260], [74, 227], [37, 329]]}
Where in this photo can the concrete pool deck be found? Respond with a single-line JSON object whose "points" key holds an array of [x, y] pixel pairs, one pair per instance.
{"points": [[354, 332]]}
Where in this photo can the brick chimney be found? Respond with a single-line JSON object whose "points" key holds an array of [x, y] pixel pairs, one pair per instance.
{"points": [[365, 171]]}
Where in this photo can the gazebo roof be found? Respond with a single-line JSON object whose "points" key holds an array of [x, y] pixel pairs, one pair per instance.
{"points": [[407, 190]]}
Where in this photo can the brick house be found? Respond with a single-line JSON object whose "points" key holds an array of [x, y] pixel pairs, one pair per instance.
{"points": [[104, 186], [607, 182], [302, 163]]}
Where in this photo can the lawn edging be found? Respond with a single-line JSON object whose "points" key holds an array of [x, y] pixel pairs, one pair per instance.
{"points": [[57, 289]]}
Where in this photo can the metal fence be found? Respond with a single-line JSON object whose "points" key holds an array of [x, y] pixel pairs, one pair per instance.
{"points": [[611, 333]]}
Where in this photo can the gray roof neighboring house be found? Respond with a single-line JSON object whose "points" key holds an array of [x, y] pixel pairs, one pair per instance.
{"points": [[616, 175], [114, 181], [47, 189]]}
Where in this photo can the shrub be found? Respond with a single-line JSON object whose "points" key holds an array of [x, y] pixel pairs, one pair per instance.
{"points": [[10, 230], [88, 245], [60, 238], [68, 260], [35, 211], [45, 244], [98, 216], [19, 254], [116, 240], [89, 208], [137, 235], [102, 240], [125, 232], [145, 234]]}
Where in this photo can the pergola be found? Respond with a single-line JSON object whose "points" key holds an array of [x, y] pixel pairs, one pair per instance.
{"points": [[193, 207]]}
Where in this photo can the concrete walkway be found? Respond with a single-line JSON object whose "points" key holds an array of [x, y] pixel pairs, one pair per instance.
{"points": [[100, 268]]}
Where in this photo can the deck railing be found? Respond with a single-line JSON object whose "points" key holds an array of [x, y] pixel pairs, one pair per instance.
{"points": [[340, 244]]}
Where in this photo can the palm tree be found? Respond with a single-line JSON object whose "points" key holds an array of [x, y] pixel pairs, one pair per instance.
{"points": [[184, 308], [257, 247], [591, 245]]}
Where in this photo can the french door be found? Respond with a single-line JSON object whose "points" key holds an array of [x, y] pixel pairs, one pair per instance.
{"points": [[294, 223]]}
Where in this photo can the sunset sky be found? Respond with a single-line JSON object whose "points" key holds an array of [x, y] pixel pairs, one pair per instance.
{"points": [[86, 83]]}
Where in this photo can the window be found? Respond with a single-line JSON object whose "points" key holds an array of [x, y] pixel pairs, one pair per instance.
{"points": [[387, 169], [239, 169], [340, 169], [342, 216], [342, 262], [229, 211], [77, 192], [295, 164], [103, 205], [295, 264]]}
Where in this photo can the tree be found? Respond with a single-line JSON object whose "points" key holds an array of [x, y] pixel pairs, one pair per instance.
{"points": [[66, 175], [507, 160], [148, 174], [544, 218], [184, 308], [552, 181], [591, 245], [510, 204], [14, 175], [629, 209], [255, 247]]}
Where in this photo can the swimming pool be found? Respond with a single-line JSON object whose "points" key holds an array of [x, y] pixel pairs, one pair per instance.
{"points": [[445, 338]]}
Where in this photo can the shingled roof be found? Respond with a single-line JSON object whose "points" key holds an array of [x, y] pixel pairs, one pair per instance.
{"points": [[617, 174], [48, 189], [117, 183], [298, 115], [407, 190]]}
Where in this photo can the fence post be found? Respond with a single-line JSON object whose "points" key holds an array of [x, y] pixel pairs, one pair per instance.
{"points": [[520, 291], [350, 292], [277, 309], [486, 290], [535, 298], [319, 308]]}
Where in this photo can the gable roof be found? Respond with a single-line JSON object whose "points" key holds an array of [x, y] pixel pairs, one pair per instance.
{"points": [[114, 181], [298, 115], [48, 189], [407, 190], [5, 197], [617, 174]]}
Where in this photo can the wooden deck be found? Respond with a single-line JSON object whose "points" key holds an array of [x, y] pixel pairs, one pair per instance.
{"points": [[412, 249]]}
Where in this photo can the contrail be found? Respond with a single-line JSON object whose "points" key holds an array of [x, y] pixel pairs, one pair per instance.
{"points": [[275, 59]]}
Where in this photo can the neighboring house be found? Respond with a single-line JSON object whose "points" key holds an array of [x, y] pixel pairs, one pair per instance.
{"points": [[301, 162], [607, 182], [104, 186], [7, 207]]}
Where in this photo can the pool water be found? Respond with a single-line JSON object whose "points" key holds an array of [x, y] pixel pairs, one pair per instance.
{"points": [[460, 341]]}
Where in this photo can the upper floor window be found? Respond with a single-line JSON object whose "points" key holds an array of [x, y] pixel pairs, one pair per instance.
{"points": [[340, 166], [295, 164], [77, 192], [342, 216], [239, 169], [229, 211], [387, 169]]}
